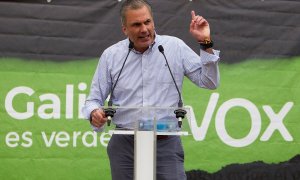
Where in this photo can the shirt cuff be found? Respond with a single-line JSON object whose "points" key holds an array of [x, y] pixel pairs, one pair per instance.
{"points": [[86, 110], [208, 58]]}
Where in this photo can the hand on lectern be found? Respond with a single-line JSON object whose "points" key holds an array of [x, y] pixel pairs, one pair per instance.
{"points": [[98, 118]]}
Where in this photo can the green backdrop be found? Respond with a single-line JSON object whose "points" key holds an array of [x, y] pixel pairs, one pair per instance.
{"points": [[43, 136]]}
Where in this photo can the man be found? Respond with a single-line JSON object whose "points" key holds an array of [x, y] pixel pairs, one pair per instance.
{"points": [[146, 81]]}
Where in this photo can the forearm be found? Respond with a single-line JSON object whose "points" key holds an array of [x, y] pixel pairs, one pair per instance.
{"points": [[208, 75]]}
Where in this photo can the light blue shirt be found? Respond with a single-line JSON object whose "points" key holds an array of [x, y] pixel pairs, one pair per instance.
{"points": [[145, 79]]}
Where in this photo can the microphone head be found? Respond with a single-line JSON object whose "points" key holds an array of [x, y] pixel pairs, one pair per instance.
{"points": [[161, 48], [130, 46]]}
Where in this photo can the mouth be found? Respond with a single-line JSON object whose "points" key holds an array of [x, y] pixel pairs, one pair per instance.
{"points": [[144, 38]]}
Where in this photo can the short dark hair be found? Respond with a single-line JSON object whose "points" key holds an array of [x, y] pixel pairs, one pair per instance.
{"points": [[133, 4]]}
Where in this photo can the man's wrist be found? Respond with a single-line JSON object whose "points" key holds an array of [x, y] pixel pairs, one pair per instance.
{"points": [[206, 44]]}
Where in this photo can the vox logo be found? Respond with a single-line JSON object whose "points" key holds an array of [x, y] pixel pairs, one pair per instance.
{"points": [[276, 121]]}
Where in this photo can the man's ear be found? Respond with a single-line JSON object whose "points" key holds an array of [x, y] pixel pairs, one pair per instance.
{"points": [[124, 29]]}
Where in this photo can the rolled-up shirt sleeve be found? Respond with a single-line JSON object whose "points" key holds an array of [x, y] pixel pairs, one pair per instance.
{"points": [[202, 70], [210, 69]]}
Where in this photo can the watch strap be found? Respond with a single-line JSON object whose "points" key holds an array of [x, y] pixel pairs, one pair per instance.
{"points": [[206, 44]]}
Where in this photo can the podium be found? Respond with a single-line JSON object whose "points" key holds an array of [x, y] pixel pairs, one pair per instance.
{"points": [[147, 123]]}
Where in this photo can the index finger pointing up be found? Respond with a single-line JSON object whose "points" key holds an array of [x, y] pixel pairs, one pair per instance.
{"points": [[193, 14]]}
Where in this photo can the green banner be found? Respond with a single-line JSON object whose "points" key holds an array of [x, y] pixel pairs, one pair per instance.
{"points": [[252, 116]]}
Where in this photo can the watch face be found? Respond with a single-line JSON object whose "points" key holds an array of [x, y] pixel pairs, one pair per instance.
{"points": [[206, 41]]}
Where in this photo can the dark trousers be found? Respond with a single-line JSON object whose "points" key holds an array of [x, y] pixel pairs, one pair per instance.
{"points": [[169, 160]]}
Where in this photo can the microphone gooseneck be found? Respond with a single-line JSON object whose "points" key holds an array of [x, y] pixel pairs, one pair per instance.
{"points": [[161, 49], [130, 47], [109, 112], [180, 113]]}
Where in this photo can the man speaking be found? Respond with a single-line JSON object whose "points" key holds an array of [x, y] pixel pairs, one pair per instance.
{"points": [[135, 73]]}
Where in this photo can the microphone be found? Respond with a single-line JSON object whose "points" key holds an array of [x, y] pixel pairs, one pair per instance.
{"points": [[180, 113], [109, 112]]}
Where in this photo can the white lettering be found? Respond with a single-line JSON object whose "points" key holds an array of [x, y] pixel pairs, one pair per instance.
{"points": [[104, 139], [75, 136], [27, 137], [9, 103], [49, 142], [55, 107], [255, 119], [12, 139], [199, 133], [276, 122], [94, 139], [50, 110], [69, 101], [62, 138]]}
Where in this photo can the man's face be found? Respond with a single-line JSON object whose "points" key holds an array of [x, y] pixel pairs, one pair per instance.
{"points": [[139, 27]]}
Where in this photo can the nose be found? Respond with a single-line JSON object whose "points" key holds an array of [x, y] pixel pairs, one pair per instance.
{"points": [[143, 28]]}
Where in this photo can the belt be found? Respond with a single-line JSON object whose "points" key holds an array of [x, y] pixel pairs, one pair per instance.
{"points": [[162, 137]]}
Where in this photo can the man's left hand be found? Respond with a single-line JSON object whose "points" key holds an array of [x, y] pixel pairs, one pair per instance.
{"points": [[199, 28]]}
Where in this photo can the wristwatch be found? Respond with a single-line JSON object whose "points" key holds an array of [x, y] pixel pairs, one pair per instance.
{"points": [[206, 44]]}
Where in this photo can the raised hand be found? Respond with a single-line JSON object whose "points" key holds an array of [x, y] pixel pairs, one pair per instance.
{"points": [[199, 28]]}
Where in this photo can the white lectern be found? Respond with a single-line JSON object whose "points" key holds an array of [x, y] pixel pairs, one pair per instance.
{"points": [[149, 122]]}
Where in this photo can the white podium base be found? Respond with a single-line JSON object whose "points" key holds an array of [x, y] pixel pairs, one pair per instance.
{"points": [[144, 155]]}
